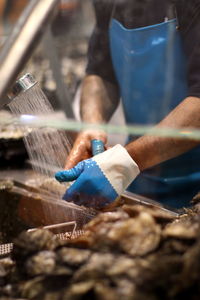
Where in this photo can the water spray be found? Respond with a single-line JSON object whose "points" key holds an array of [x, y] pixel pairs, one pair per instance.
{"points": [[45, 146]]}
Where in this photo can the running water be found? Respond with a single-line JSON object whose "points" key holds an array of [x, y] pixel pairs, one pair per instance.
{"points": [[47, 148]]}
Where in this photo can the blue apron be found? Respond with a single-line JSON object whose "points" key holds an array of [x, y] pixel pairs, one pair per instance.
{"points": [[150, 68]]}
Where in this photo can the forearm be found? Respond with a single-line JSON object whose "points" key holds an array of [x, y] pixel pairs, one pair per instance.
{"points": [[99, 99], [148, 151]]}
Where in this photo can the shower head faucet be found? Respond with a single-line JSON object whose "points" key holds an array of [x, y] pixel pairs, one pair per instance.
{"points": [[23, 84]]}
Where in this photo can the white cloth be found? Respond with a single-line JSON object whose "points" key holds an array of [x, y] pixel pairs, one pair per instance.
{"points": [[118, 167]]}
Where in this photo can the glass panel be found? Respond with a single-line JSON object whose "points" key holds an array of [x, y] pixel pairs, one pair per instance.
{"points": [[122, 72], [102, 129]]}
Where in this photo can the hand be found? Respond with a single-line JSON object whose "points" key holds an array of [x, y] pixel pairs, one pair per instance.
{"points": [[82, 146], [101, 179]]}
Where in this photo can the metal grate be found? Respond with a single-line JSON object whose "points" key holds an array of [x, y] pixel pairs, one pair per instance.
{"points": [[6, 249], [70, 235]]}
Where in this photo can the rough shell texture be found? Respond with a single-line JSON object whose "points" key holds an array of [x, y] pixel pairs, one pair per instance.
{"points": [[187, 228], [72, 256], [29, 243], [41, 263], [129, 254], [134, 236]]}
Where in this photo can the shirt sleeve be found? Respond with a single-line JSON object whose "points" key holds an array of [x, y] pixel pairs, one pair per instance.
{"points": [[99, 58], [188, 13]]}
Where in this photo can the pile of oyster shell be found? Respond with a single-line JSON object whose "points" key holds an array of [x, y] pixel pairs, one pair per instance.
{"points": [[12, 149], [131, 253]]}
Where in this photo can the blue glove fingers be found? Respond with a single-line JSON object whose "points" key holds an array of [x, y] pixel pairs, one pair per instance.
{"points": [[72, 194], [70, 175], [92, 189]]}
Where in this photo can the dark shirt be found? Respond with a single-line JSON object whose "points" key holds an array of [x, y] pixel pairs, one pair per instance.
{"points": [[140, 13]]}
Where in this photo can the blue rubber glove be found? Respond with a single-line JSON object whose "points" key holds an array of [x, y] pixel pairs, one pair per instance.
{"points": [[101, 179]]}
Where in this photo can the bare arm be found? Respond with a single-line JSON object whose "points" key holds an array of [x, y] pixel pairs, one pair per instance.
{"points": [[148, 151], [99, 100]]}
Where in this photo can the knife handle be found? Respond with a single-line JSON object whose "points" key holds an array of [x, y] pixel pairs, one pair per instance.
{"points": [[97, 147]]}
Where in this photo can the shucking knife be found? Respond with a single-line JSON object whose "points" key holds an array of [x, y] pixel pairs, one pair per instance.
{"points": [[97, 147]]}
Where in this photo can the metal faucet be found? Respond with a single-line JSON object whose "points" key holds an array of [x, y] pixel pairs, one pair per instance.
{"points": [[21, 43], [21, 85]]}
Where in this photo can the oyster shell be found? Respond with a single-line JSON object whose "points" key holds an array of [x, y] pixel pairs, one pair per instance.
{"points": [[41, 263], [29, 243], [118, 232], [187, 228], [72, 257], [131, 253]]}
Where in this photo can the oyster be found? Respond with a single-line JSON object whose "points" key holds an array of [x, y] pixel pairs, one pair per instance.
{"points": [[160, 216], [41, 263], [187, 228], [131, 253], [116, 231], [12, 149], [29, 243], [136, 237], [91, 290], [72, 257]]}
